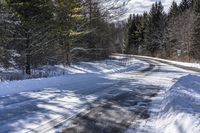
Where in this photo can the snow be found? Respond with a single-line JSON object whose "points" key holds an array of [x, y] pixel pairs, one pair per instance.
{"points": [[63, 82], [41, 108], [76, 76], [186, 64], [176, 109], [112, 65], [25, 103], [179, 109]]}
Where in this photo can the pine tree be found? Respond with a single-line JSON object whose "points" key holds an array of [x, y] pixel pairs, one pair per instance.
{"points": [[170, 35], [35, 24], [144, 33], [156, 28], [7, 29], [3, 38], [185, 4], [174, 10], [196, 35], [68, 16], [99, 36], [139, 34], [131, 34]]}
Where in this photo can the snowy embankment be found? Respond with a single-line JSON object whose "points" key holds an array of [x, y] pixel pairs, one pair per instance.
{"points": [[183, 64], [82, 75], [71, 82], [177, 110]]}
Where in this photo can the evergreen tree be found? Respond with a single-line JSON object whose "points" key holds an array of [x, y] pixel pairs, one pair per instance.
{"points": [[185, 4], [196, 35], [99, 38], [7, 29], [174, 10], [35, 18], [144, 33], [173, 35], [68, 16], [132, 36], [156, 28], [170, 35]]}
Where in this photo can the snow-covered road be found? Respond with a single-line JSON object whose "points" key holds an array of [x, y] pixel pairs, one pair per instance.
{"points": [[117, 89]]}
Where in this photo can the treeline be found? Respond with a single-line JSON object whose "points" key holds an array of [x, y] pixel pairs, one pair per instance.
{"points": [[47, 32], [174, 35]]}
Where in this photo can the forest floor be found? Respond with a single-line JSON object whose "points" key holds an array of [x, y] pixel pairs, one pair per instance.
{"points": [[122, 94]]}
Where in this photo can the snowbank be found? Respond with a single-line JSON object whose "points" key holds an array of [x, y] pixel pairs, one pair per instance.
{"points": [[116, 64], [184, 64], [178, 109], [71, 83], [85, 75]]}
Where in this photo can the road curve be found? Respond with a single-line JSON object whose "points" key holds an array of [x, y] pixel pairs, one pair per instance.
{"points": [[128, 103], [117, 107]]}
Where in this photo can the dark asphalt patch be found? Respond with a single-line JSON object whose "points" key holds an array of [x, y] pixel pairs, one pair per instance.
{"points": [[116, 114]]}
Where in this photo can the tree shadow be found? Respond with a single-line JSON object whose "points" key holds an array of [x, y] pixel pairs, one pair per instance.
{"points": [[27, 110], [114, 111], [116, 114]]}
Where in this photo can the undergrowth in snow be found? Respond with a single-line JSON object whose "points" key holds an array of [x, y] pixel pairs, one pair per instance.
{"points": [[75, 76], [114, 64]]}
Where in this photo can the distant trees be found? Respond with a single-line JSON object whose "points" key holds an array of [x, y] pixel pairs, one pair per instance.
{"points": [[171, 31], [100, 37], [156, 28], [133, 32], [179, 32], [146, 31], [172, 35], [185, 4]]}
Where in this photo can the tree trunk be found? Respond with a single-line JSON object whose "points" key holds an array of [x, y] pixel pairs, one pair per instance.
{"points": [[68, 59], [68, 56], [28, 66], [27, 58]]}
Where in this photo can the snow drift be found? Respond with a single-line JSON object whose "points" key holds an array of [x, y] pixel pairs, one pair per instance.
{"points": [[85, 75], [180, 107]]}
